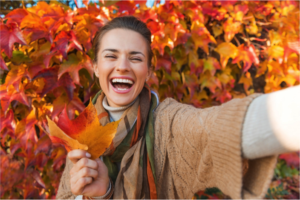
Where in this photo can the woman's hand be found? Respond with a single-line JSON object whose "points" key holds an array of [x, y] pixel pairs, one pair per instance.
{"points": [[88, 177]]}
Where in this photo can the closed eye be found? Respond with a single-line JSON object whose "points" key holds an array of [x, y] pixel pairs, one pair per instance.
{"points": [[136, 59], [110, 57]]}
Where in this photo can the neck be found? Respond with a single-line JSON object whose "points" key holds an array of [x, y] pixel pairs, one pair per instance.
{"points": [[115, 112]]}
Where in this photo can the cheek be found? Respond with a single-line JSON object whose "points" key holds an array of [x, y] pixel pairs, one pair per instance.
{"points": [[103, 72], [102, 83], [142, 73]]}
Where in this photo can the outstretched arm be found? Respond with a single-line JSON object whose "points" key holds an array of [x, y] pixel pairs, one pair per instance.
{"points": [[272, 124], [201, 148]]}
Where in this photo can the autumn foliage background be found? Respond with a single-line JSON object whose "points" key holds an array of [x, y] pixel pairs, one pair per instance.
{"points": [[206, 53]]}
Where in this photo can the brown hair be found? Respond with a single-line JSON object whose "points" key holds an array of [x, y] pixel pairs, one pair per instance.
{"points": [[124, 22]]}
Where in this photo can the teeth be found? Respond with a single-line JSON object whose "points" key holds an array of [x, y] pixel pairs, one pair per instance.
{"points": [[118, 80], [121, 89]]}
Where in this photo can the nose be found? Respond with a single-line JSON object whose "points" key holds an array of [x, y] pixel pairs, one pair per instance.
{"points": [[123, 65]]}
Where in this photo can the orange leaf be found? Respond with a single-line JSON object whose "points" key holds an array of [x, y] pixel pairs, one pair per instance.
{"points": [[58, 136], [86, 130]]}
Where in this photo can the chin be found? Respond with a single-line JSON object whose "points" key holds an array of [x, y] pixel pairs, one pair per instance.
{"points": [[122, 101]]}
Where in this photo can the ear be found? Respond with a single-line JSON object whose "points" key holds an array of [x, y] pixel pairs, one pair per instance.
{"points": [[95, 70], [149, 73]]}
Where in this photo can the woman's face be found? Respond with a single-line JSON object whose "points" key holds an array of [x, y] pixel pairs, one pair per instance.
{"points": [[122, 66]]}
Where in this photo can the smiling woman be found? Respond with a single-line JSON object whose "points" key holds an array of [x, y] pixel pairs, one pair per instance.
{"points": [[172, 150], [122, 65]]}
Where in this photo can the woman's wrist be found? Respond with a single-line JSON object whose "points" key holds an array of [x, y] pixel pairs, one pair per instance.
{"points": [[106, 194]]}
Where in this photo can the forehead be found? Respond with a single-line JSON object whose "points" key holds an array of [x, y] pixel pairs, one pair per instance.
{"points": [[123, 40]]}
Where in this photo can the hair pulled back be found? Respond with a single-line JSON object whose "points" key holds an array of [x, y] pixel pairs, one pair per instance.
{"points": [[124, 22]]}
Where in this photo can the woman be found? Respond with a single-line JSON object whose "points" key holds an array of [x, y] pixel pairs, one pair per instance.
{"points": [[168, 149]]}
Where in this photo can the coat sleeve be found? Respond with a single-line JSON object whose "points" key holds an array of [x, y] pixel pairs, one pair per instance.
{"points": [[197, 149], [64, 188]]}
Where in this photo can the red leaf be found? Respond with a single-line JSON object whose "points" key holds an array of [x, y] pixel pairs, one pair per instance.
{"points": [[74, 64], [74, 42], [34, 28], [66, 82], [36, 175], [50, 76], [76, 3], [59, 155], [214, 196], [208, 9], [75, 104], [4, 104], [247, 55], [10, 34], [75, 126], [147, 15], [291, 159], [15, 75], [164, 63], [14, 146], [16, 15], [26, 133], [7, 121], [127, 6], [85, 2], [30, 159], [155, 27], [61, 44], [49, 56], [171, 3], [231, 2], [11, 174], [9, 94], [43, 145], [62, 101], [33, 69], [41, 160]]}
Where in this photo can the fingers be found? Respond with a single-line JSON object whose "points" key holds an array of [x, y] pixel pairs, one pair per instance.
{"points": [[89, 177], [82, 178], [77, 154], [84, 162], [84, 172], [78, 187]]}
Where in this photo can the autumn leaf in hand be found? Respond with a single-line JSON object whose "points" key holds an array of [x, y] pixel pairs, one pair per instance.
{"points": [[85, 132]]}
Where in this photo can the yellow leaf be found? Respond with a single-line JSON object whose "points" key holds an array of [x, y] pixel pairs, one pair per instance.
{"points": [[276, 52], [63, 27], [247, 81], [86, 130], [217, 30], [252, 28], [226, 50]]}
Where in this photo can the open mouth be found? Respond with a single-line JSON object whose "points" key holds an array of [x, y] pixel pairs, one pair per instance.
{"points": [[121, 84]]}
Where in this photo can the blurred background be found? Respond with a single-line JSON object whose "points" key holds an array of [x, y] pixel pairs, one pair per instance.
{"points": [[8, 5]]}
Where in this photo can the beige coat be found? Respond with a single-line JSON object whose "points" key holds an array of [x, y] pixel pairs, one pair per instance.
{"points": [[195, 149]]}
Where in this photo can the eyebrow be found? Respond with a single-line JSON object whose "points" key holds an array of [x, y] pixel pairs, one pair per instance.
{"points": [[131, 53], [136, 52]]}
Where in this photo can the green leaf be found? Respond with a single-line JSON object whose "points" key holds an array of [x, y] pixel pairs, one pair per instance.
{"points": [[19, 57]]}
